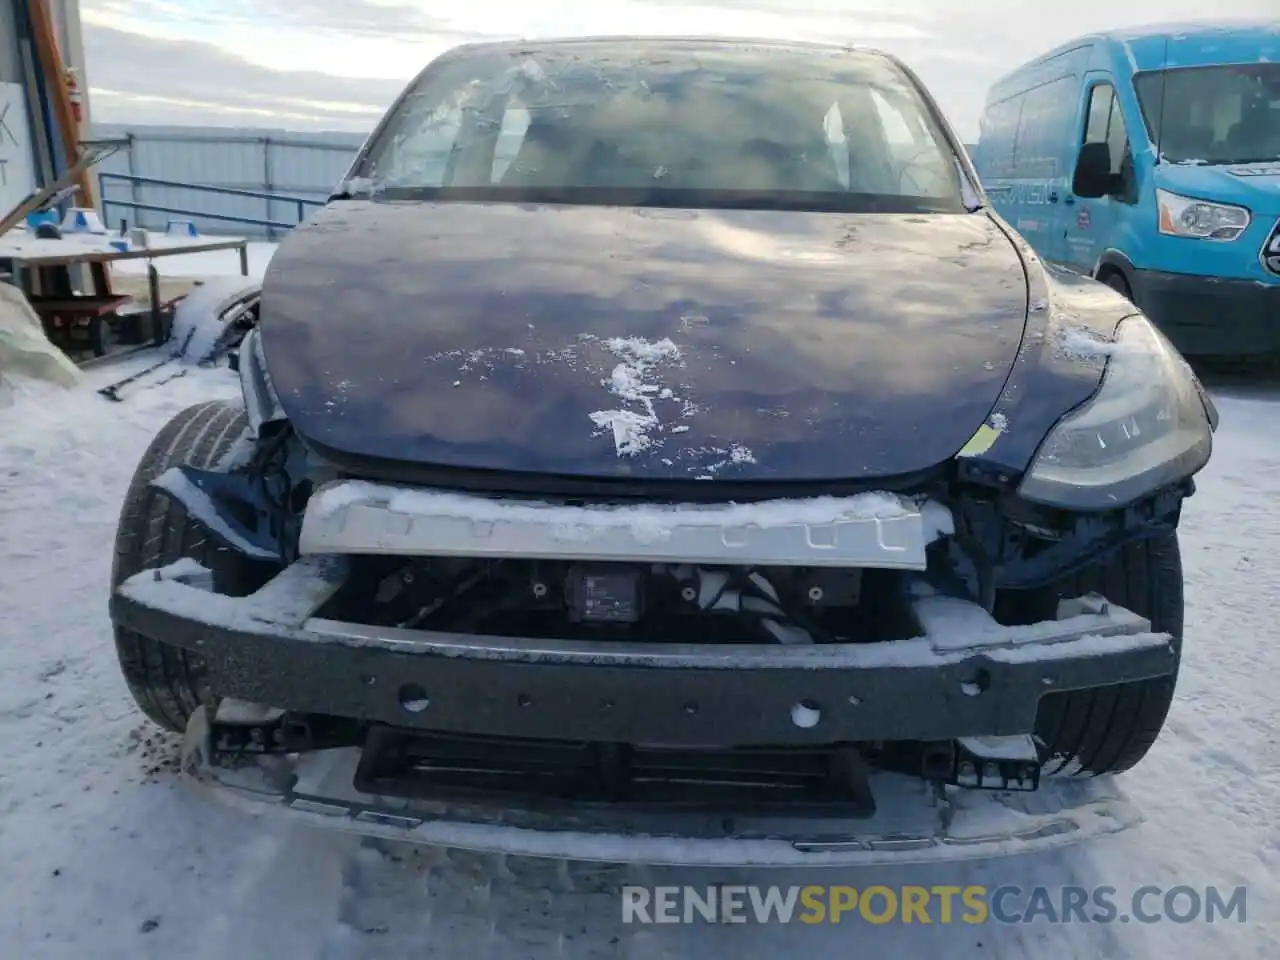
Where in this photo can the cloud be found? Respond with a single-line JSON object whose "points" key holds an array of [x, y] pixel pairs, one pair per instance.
{"points": [[137, 79], [308, 61], [357, 17], [366, 17]]}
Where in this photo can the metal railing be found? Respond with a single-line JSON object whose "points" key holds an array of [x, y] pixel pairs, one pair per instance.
{"points": [[301, 203]]}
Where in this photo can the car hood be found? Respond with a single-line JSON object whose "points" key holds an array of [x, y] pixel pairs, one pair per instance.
{"points": [[599, 342], [1256, 185]]}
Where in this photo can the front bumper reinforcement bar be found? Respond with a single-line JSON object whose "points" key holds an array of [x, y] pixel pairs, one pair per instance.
{"points": [[965, 676]]}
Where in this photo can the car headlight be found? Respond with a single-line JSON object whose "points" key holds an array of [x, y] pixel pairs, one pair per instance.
{"points": [[1145, 427], [1200, 219]]}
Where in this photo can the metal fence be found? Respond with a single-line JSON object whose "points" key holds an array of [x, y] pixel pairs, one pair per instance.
{"points": [[130, 210], [305, 166]]}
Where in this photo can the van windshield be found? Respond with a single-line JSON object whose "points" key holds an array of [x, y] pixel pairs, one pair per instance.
{"points": [[669, 123], [1213, 115]]}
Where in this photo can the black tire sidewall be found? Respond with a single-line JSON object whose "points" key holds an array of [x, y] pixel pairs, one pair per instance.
{"points": [[1119, 284], [153, 530], [1111, 729]]}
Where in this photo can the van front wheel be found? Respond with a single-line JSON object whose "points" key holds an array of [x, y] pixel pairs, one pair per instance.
{"points": [[1118, 283]]}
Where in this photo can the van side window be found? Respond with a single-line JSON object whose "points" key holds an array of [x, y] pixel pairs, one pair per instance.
{"points": [[1106, 124], [1039, 141], [999, 133]]}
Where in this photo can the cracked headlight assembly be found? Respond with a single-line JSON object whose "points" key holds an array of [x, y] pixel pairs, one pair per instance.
{"points": [[1147, 426]]}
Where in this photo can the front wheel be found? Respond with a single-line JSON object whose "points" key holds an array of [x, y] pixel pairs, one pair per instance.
{"points": [[1110, 729], [166, 681], [1119, 284]]}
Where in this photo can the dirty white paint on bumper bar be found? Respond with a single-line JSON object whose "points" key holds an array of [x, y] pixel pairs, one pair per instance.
{"points": [[913, 824], [870, 530]]}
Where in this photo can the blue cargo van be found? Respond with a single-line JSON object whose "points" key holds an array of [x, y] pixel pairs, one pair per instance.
{"points": [[1150, 160]]}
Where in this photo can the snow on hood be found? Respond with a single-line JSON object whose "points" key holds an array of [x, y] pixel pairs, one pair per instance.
{"points": [[744, 345], [632, 381]]}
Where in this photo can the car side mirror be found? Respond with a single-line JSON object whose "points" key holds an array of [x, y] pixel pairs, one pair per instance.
{"points": [[1093, 177]]}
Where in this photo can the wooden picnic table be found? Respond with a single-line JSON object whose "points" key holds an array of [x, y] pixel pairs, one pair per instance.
{"points": [[24, 250], [40, 268]]}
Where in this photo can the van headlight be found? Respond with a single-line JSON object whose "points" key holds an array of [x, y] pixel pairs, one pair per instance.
{"points": [[1145, 427], [1200, 219]]}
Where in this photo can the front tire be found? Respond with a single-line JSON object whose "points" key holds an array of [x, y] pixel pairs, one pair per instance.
{"points": [[1116, 281], [166, 681], [1110, 729]]}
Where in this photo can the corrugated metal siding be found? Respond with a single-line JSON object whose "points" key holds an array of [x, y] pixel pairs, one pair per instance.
{"points": [[306, 165]]}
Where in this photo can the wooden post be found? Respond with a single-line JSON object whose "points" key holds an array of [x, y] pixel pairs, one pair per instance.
{"points": [[55, 81]]}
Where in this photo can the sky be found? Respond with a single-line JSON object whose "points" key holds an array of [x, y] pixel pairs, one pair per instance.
{"points": [[337, 64]]}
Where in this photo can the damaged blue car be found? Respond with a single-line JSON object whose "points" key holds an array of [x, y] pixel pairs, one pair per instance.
{"points": [[659, 450]]}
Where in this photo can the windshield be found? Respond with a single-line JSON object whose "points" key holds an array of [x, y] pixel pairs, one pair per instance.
{"points": [[670, 123], [1227, 114]]}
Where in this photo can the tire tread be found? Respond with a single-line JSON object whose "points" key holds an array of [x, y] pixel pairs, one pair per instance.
{"points": [[154, 530], [1110, 729]]}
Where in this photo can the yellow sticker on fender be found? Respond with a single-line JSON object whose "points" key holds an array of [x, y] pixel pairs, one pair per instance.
{"points": [[980, 442]]}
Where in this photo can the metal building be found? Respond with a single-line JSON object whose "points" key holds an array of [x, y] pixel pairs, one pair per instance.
{"points": [[28, 136], [167, 172], [16, 158]]}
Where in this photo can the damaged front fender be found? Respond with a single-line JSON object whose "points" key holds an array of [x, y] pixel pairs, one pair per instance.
{"points": [[261, 403], [1049, 377], [232, 507]]}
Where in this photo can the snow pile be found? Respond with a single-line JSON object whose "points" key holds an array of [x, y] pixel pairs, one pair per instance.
{"points": [[1081, 343], [25, 351], [357, 186], [632, 382], [199, 318]]}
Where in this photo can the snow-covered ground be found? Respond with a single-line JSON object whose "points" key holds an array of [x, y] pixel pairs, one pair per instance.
{"points": [[106, 854]]}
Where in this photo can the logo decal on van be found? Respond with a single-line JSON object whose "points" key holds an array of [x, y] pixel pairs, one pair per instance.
{"points": [[1266, 171], [1083, 219], [1271, 252]]}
